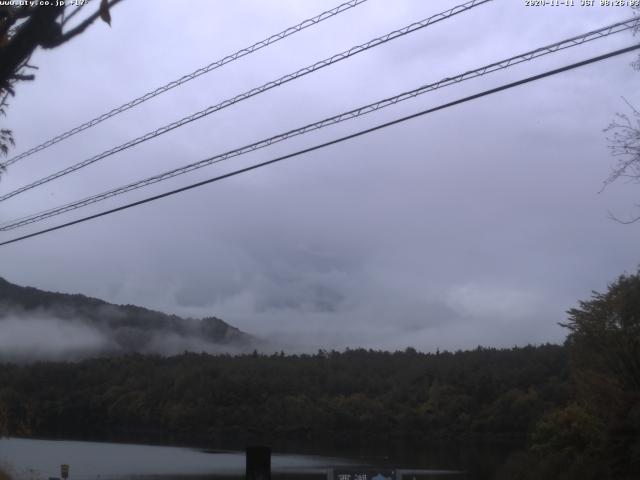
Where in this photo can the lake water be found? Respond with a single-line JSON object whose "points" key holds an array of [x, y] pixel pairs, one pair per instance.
{"points": [[40, 459]]}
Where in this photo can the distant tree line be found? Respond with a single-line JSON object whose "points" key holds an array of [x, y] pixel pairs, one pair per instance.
{"points": [[484, 392]]}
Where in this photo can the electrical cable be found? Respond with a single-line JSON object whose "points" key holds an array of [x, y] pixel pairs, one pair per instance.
{"points": [[190, 76], [502, 64], [332, 142], [250, 93]]}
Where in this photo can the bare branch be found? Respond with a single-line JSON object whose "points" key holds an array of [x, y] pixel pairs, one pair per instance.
{"points": [[25, 28], [72, 14], [624, 143], [611, 216], [81, 27], [19, 76]]}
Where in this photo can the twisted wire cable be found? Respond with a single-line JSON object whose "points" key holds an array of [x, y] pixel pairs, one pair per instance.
{"points": [[190, 76], [331, 142], [254, 91], [603, 32]]}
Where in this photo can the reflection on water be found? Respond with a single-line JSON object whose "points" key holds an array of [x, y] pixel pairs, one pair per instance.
{"points": [[93, 459], [41, 459]]}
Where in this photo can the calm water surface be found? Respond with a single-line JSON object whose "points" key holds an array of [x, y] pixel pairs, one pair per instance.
{"points": [[41, 459]]}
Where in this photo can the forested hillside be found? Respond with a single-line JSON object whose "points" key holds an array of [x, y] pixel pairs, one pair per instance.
{"points": [[106, 328]]}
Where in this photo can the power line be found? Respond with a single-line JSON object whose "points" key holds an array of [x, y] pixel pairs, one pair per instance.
{"points": [[502, 64], [332, 142], [254, 91], [190, 76]]}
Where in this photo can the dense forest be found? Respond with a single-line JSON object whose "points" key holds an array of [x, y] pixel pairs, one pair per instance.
{"points": [[576, 407], [480, 392]]}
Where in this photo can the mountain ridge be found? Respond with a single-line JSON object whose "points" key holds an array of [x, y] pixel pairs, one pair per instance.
{"points": [[124, 328]]}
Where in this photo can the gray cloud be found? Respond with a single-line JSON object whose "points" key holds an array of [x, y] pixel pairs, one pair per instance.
{"points": [[480, 224]]}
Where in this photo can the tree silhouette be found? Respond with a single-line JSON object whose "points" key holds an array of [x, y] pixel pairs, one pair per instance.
{"points": [[624, 143], [24, 28]]}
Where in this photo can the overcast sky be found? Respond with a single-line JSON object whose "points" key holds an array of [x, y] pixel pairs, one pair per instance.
{"points": [[477, 225]]}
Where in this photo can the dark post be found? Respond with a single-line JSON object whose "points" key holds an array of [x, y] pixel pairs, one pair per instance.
{"points": [[258, 463]]}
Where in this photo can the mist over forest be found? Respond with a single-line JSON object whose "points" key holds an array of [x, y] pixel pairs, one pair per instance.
{"points": [[38, 325]]}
